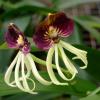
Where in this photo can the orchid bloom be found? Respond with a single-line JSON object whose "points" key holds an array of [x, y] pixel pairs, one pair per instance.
{"points": [[23, 64], [48, 37]]}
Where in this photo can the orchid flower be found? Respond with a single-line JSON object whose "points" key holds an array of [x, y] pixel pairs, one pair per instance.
{"points": [[22, 65], [48, 37]]}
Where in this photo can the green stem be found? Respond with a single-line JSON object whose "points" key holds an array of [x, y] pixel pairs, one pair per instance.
{"points": [[40, 61], [95, 91]]}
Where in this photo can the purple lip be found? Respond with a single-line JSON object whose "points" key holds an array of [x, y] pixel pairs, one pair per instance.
{"points": [[51, 29], [16, 39]]}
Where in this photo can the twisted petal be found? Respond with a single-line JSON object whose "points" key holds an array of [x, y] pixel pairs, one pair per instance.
{"points": [[50, 69], [17, 74], [9, 72], [28, 70], [17, 80], [67, 62], [20, 81], [80, 54], [21, 77], [35, 71], [25, 83]]}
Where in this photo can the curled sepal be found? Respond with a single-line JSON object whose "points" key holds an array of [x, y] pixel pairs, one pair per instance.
{"points": [[9, 72], [25, 80], [20, 78], [80, 54], [23, 84], [35, 71], [70, 67], [50, 69]]}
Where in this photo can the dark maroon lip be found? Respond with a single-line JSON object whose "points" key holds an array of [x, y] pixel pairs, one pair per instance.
{"points": [[16, 39], [51, 29]]}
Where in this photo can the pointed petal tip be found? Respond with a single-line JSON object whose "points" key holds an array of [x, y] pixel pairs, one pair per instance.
{"points": [[83, 67], [79, 54], [7, 77], [59, 69], [35, 71], [50, 69]]}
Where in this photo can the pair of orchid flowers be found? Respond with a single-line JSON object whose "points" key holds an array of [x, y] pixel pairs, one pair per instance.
{"points": [[47, 37]]}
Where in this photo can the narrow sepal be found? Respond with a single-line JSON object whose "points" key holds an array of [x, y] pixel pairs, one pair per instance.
{"points": [[80, 54], [50, 69]]}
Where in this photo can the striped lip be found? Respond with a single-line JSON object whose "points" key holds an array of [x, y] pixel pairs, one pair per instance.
{"points": [[51, 29], [16, 39]]}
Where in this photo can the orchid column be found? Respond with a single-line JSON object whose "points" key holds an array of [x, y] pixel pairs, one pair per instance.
{"points": [[48, 37], [23, 64]]}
